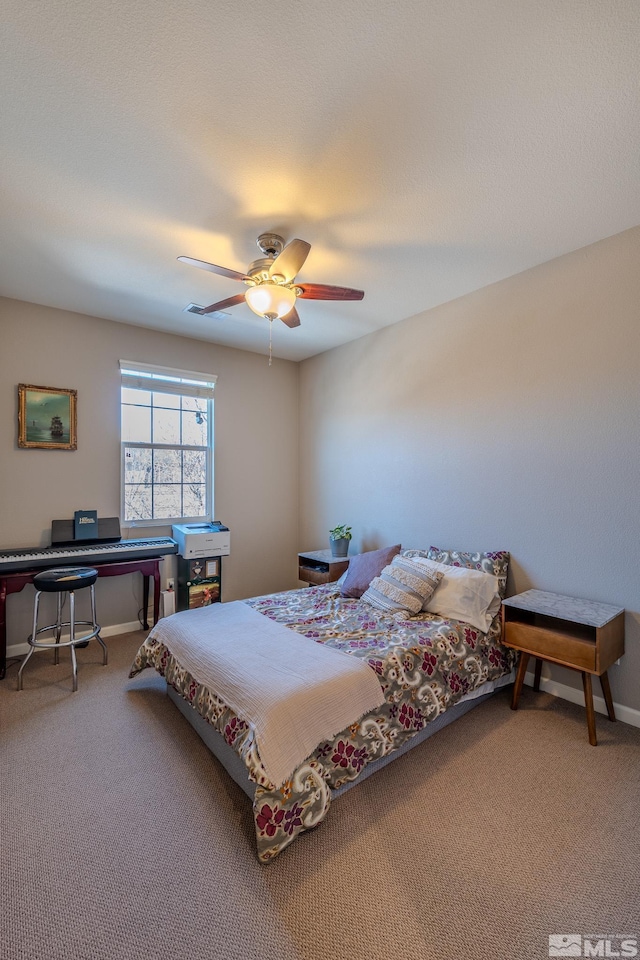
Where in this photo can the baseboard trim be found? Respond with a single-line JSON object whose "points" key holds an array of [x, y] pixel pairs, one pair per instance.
{"points": [[626, 714], [20, 649]]}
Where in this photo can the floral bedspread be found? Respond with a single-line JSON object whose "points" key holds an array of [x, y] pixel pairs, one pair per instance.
{"points": [[424, 665]]}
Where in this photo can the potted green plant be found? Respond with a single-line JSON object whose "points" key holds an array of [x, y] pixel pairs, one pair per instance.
{"points": [[339, 540]]}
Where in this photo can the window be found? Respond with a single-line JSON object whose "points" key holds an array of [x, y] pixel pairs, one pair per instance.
{"points": [[167, 444]]}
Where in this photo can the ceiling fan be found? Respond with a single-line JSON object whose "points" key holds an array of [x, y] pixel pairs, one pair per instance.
{"points": [[272, 292]]}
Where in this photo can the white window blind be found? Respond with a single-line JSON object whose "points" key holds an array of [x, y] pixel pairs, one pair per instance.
{"points": [[143, 376]]}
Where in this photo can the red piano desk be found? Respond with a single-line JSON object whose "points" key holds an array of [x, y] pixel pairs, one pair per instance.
{"points": [[15, 582]]}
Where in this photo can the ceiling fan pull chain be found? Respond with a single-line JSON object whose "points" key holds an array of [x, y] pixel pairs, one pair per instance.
{"points": [[270, 339]]}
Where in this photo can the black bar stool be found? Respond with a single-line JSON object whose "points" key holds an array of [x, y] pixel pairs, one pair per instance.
{"points": [[61, 581]]}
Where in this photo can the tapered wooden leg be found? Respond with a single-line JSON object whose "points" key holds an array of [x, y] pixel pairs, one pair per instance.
{"points": [[536, 677], [588, 702], [517, 687], [606, 689]]}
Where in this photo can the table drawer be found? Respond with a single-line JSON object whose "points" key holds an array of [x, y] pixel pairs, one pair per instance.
{"points": [[549, 645], [313, 575]]}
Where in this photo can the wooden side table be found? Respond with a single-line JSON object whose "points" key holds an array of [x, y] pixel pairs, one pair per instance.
{"points": [[579, 634], [319, 566]]}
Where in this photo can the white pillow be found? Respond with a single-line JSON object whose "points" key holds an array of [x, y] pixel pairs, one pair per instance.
{"points": [[468, 595]]}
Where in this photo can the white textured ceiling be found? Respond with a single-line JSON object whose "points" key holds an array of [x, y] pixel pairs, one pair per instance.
{"points": [[424, 149]]}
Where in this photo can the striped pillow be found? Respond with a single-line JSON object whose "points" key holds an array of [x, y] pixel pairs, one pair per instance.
{"points": [[402, 587]]}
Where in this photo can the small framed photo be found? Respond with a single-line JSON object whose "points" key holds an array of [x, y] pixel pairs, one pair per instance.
{"points": [[47, 417]]}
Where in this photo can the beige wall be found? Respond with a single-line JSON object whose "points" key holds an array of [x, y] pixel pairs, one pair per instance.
{"points": [[256, 447], [509, 418]]}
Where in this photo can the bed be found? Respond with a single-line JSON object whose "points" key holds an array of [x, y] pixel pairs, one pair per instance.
{"points": [[430, 670]]}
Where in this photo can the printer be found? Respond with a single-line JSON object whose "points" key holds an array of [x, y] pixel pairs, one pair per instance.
{"points": [[202, 539]]}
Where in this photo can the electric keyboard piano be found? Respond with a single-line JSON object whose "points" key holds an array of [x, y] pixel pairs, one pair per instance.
{"points": [[112, 559], [37, 558]]}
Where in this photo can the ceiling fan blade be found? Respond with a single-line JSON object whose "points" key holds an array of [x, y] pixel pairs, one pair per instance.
{"points": [[212, 268], [291, 319], [321, 291], [221, 304], [288, 263]]}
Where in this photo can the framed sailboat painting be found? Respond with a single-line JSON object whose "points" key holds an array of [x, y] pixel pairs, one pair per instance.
{"points": [[47, 417]]}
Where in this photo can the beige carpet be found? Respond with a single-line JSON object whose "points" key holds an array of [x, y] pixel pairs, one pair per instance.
{"points": [[121, 837]]}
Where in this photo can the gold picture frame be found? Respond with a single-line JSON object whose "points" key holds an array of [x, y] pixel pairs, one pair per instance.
{"points": [[47, 417]]}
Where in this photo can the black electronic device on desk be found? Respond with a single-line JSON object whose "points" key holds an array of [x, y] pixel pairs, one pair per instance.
{"points": [[106, 545]]}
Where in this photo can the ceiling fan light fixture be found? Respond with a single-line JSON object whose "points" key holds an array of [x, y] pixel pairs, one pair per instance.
{"points": [[270, 300], [271, 279]]}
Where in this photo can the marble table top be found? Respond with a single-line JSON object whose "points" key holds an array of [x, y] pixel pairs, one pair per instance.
{"points": [[589, 612], [323, 556]]}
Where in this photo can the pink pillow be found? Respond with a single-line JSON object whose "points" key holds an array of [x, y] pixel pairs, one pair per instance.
{"points": [[364, 567]]}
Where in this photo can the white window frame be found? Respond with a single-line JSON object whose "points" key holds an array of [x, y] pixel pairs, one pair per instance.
{"points": [[186, 383]]}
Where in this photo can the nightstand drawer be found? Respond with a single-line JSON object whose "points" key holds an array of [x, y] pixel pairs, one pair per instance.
{"points": [[314, 575], [549, 645]]}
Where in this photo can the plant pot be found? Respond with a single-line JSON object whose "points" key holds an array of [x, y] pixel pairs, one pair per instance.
{"points": [[339, 548]]}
